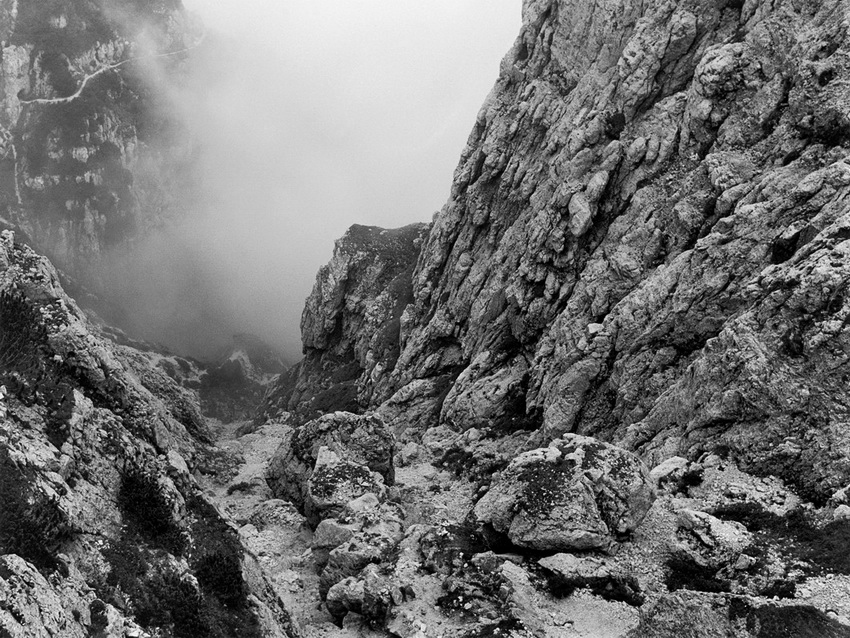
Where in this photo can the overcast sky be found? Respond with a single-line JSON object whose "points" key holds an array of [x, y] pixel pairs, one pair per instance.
{"points": [[318, 115]]}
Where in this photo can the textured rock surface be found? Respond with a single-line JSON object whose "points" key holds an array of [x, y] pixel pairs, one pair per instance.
{"points": [[577, 494], [645, 239], [358, 440], [645, 243], [101, 518]]}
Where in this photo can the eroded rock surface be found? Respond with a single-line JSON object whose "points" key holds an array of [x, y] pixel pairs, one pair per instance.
{"points": [[345, 449], [576, 494], [103, 528], [351, 324]]}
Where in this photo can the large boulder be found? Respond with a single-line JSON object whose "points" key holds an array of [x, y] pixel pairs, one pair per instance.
{"points": [[361, 439], [334, 482], [576, 494]]}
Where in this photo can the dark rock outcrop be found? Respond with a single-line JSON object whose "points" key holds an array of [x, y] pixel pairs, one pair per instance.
{"points": [[84, 167]]}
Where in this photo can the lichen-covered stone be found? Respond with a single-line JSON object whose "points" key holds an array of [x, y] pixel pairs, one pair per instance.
{"points": [[708, 541], [334, 482], [360, 439], [578, 493]]}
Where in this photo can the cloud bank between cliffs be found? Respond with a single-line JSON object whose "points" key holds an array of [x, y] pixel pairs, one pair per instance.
{"points": [[305, 118]]}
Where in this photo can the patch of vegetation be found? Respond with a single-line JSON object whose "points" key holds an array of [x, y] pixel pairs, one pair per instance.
{"points": [[792, 621], [780, 588], [216, 557], [682, 483], [212, 605], [32, 525], [340, 396], [477, 467], [447, 549], [686, 574], [622, 588], [505, 627], [148, 512], [22, 338], [159, 597], [822, 548]]}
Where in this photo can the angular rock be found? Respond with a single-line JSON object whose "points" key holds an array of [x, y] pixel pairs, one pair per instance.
{"points": [[708, 541], [350, 558], [567, 572], [578, 493], [360, 439], [334, 482], [345, 596], [351, 324]]}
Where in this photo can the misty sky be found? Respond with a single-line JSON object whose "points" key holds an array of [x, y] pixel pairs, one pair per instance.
{"points": [[318, 115]]}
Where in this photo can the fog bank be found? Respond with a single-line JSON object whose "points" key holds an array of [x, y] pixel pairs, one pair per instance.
{"points": [[309, 117]]}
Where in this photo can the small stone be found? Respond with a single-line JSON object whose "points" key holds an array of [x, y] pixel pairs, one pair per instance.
{"points": [[841, 513], [744, 562]]}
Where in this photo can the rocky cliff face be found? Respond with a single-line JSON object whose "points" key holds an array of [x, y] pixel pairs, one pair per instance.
{"points": [[644, 239], [84, 167], [104, 530], [645, 243]]}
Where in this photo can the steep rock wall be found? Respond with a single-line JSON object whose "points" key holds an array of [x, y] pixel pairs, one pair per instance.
{"points": [[644, 240], [645, 234], [351, 324]]}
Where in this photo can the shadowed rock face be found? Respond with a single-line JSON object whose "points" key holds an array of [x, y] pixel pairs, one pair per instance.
{"points": [[645, 242]]}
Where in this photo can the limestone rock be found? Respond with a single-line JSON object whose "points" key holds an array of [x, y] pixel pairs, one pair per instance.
{"points": [[350, 558], [96, 479], [710, 542], [578, 493], [351, 324], [361, 439], [334, 482]]}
